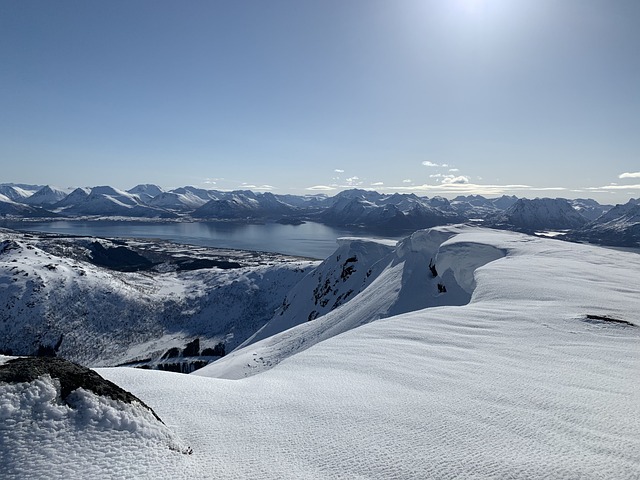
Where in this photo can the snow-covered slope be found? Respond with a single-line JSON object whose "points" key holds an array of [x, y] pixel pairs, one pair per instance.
{"points": [[9, 208], [15, 193], [96, 316], [519, 383], [46, 196], [362, 282], [536, 377], [149, 190], [187, 201]]}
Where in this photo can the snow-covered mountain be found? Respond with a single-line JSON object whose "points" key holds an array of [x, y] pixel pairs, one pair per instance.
{"points": [[9, 208], [619, 226], [109, 201], [383, 213], [15, 193], [589, 208], [76, 197], [365, 210], [47, 196], [508, 373], [242, 205], [539, 214], [146, 190]]}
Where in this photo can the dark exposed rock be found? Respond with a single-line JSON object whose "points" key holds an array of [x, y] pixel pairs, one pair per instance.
{"points": [[70, 375]]}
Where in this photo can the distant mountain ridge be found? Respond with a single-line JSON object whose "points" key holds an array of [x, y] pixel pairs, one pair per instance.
{"points": [[577, 220]]}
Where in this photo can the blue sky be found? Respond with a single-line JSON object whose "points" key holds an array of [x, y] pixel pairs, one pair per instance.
{"points": [[525, 97]]}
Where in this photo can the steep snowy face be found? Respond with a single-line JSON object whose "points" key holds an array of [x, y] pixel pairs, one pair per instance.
{"points": [[363, 281], [541, 214], [336, 281]]}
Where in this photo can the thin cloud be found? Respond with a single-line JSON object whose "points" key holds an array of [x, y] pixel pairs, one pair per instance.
{"points": [[265, 188], [454, 169], [321, 188], [338, 170], [377, 184], [629, 175], [613, 187], [429, 164], [407, 180]]}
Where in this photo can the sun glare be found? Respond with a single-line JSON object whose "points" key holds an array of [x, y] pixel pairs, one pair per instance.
{"points": [[472, 6]]}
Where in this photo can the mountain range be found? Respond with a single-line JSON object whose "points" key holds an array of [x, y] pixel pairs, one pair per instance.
{"points": [[570, 219]]}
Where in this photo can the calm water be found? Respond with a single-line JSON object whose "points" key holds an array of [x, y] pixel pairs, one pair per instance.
{"points": [[308, 240]]}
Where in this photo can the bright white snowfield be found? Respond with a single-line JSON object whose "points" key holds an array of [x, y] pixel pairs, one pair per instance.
{"points": [[399, 381]]}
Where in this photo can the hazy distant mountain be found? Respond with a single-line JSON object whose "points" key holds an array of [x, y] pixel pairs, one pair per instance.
{"points": [[181, 202], [79, 195], [620, 226], [201, 193], [147, 189], [539, 214], [505, 201], [9, 208], [15, 193], [46, 196], [109, 201], [242, 205], [588, 208], [358, 211]]}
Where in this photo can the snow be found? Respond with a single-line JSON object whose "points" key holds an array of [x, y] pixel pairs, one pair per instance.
{"points": [[92, 437], [397, 382], [108, 317]]}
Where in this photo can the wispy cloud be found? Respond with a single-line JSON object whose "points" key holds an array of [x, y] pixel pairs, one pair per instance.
{"points": [[629, 175], [613, 186], [338, 170], [353, 181], [462, 186], [321, 188], [407, 180], [377, 184], [454, 169], [249, 186], [427, 163]]}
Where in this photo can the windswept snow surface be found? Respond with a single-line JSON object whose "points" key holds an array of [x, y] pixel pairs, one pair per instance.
{"points": [[518, 383]]}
